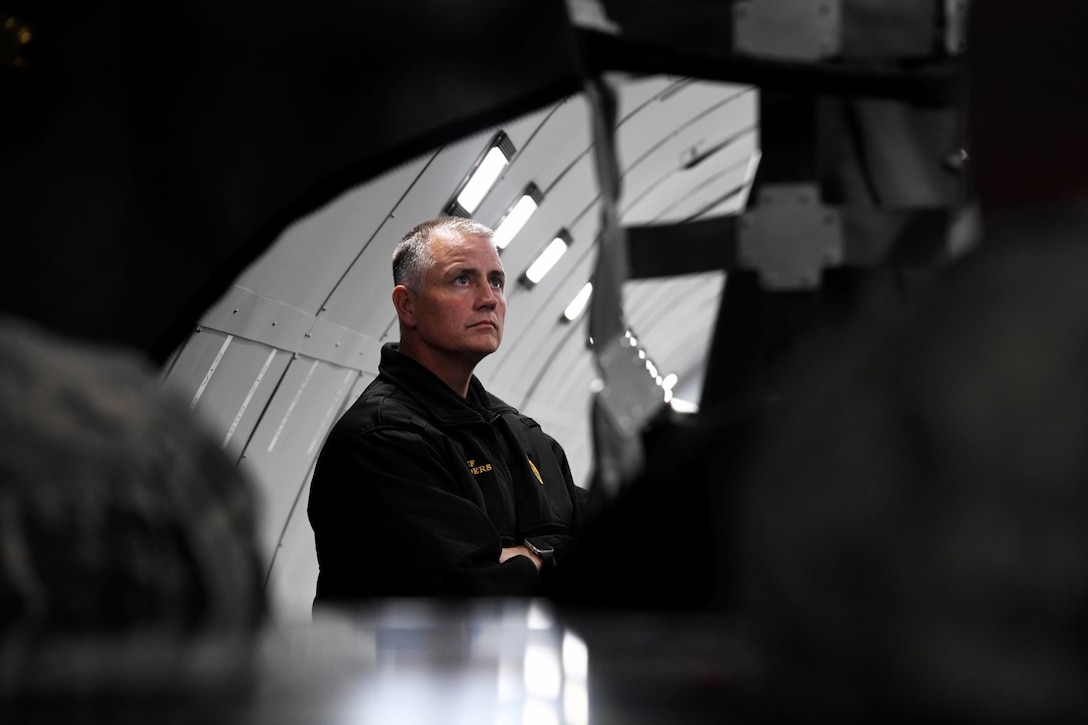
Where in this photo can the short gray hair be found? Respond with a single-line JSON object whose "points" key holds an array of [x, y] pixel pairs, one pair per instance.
{"points": [[412, 257]]}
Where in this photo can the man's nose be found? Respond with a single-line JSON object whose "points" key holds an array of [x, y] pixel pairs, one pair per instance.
{"points": [[488, 297]]}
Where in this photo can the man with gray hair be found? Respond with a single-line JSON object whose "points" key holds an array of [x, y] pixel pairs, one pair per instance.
{"points": [[429, 485]]}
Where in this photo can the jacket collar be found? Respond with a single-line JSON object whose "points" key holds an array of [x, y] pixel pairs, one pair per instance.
{"points": [[434, 395]]}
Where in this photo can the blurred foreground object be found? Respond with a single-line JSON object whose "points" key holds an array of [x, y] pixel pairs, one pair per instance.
{"points": [[126, 534], [118, 511], [914, 539]]}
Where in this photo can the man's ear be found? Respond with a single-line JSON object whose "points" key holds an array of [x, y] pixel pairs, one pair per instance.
{"points": [[404, 300]]}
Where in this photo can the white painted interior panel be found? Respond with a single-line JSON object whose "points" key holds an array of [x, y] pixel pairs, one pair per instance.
{"points": [[634, 93], [283, 448], [305, 264], [565, 384], [682, 192], [674, 318], [562, 127], [228, 381], [191, 365], [292, 580], [244, 313]]}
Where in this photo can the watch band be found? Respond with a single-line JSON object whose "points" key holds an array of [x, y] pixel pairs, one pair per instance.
{"points": [[543, 550]]}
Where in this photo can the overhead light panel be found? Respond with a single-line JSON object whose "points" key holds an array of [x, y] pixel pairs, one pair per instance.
{"points": [[482, 179], [485, 172], [548, 258], [517, 216], [578, 304]]}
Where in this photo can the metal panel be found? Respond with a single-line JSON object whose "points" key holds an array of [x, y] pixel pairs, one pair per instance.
{"points": [[226, 381], [369, 279], [674, 319], [654, 192], [292, 580], [305, 264], [195, 362], [662, 302], [521, 130], [684, 193], [563, 408], [293, 577], [633, 93], [272, 365], [341, 346], [232, 393], [286, 442], [726, 122], [569, 380], [244, 313], [658, 122]]}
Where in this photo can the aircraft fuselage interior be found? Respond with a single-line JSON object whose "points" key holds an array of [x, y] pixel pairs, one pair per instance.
{"points": [[793, 283]]}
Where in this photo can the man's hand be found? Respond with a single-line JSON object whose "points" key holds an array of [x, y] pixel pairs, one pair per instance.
{"points": [[520, 550]]}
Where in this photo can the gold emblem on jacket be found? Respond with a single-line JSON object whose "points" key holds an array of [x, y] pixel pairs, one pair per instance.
{"points": [[532, 466], [477, 470]]}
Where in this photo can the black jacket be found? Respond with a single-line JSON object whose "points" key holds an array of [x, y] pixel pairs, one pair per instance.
{"points": [[417, 489]]}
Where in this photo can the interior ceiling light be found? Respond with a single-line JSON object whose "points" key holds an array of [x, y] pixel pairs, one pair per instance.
{"points": [[518, 215], [578, 304], [483, 176], [548, 258]]}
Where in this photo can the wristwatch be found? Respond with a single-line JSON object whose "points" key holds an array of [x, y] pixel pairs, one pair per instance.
{"points": [[541, 549]]}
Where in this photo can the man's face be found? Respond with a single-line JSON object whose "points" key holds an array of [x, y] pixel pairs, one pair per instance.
{"points": [[461, 310]]}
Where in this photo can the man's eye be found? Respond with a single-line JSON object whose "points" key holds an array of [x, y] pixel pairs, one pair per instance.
{"points": [[496, 283], [462, 279]]}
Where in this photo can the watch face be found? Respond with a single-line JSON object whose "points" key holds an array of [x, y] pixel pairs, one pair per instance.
{"points": [[538, 550]]}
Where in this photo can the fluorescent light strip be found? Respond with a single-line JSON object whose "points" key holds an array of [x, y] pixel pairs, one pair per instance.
{"points": [[483, 178], [578, 304], [546, 260], [514, 220]]}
